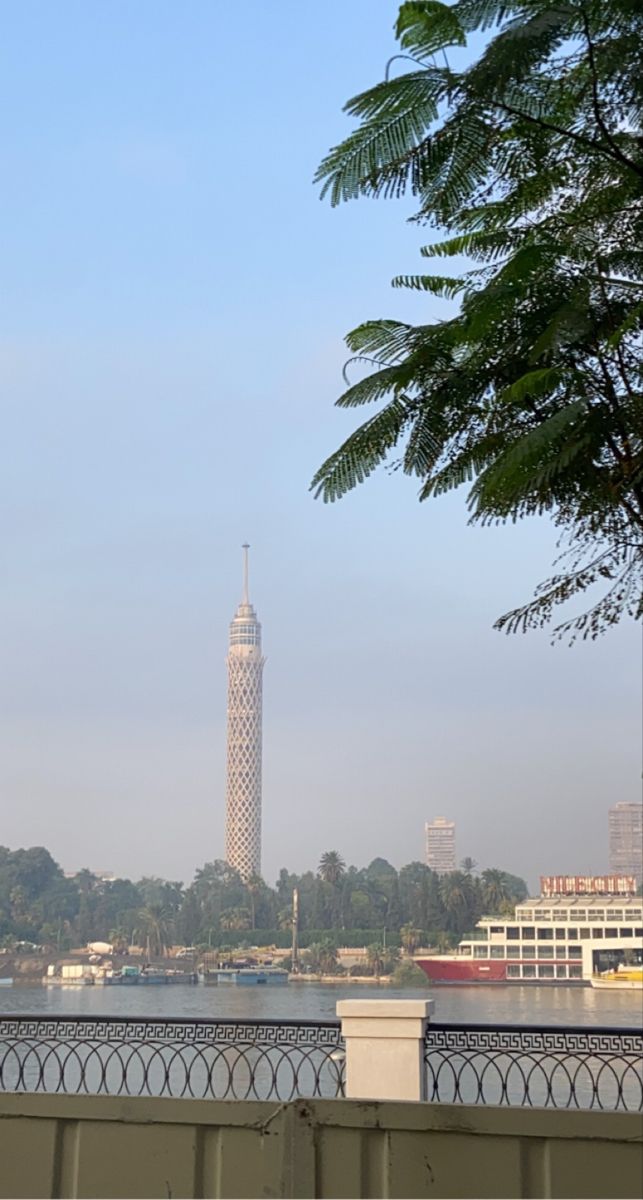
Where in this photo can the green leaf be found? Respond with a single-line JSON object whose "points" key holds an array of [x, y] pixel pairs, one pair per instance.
{"points": [[396, 114], [424, 26], [361, 453], [438, 285]]}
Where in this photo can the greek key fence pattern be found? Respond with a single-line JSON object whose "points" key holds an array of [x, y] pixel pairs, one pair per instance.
{"points": [[222, 1060], [541, 1067]]}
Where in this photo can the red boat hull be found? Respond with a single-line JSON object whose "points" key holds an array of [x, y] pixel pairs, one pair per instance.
{"points": [[467, 970]]}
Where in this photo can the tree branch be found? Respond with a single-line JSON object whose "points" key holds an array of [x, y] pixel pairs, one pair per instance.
{"points": [[596, 100], [589, 143]]}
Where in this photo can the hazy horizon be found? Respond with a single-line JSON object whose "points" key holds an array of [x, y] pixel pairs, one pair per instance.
{"points": [[174, 308]]}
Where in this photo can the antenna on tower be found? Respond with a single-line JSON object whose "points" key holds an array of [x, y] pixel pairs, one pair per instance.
{"points": [[245, 549]]}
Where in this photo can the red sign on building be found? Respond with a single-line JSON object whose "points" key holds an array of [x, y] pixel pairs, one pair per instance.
{"points": [[587, 885]]}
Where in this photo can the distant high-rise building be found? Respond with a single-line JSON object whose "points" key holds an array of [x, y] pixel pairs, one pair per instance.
{"points": [[626, 840], [440, 845], [243, 791]]}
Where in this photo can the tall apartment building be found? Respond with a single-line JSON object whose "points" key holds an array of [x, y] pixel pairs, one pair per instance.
{"points": [[440, 845], [626, 840]]}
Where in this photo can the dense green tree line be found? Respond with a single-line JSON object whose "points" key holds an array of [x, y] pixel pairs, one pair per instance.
{"points": [[39, 904]]}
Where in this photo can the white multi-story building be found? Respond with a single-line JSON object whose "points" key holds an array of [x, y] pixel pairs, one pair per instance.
{"points": [[440, 845], [626, 840], [243, 792]]}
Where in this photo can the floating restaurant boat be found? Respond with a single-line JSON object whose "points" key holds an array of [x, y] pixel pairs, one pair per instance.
{"points": [[556, 939]]}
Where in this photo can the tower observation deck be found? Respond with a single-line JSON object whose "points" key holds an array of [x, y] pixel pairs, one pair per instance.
{"points": [[243, 789]]}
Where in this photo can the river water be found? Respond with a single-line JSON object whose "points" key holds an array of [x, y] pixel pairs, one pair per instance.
{"points": [[511, 1004]]}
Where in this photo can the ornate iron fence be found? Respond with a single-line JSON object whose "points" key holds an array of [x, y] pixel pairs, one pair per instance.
{"points": [[538, 1066], [201, 1059]]}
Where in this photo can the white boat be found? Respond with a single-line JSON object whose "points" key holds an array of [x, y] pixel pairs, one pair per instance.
{"points": [[550, 940]]}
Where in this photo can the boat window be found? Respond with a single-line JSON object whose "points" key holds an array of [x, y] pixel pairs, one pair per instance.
{"points": [[480, 952], [529, 951], [497, 952], [632, 914], [580, 914], [575, 972], [546, 972], [513, 933], [574, 952], [560, 935], [616, 914], [572, 934], [638, 932], [597, 934], [585, 933], [513, 952], [529, 933], [545, 952], [627, 932], [465, 950], [529, 972], [513, 972], [559, 914], [546, 934], [496, 929], [542, 914], [597, 915], [611, 932], [561, 972], [523, 914]]}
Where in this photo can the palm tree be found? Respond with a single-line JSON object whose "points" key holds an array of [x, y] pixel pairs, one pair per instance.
{"points": [[410, 938], [375, 958], [254, 886], [468, 865], [331, 867], [235, 919], [495, 893], [457, 896], [118, 940], [322, 957], [154, 928]]}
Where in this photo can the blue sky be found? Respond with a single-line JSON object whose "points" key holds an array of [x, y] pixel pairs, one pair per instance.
{"points": [[173, 308]]}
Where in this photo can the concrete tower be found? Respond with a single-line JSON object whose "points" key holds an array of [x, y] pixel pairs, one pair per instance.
{"points": [[243, 791]]}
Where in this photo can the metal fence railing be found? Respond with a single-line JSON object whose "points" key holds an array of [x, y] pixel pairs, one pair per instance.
{"points": [[536, 1066], [223, 1060]]}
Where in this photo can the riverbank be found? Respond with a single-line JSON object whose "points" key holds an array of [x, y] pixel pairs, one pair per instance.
{"points": [[341, 979]]}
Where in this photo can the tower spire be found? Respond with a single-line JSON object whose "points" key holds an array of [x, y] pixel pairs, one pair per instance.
{"points": [[245, 549]]}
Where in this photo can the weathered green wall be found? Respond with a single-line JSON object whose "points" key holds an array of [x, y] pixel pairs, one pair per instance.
{"points": [[109, 1147]]}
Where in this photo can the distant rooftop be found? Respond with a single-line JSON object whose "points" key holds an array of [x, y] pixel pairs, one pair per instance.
{"points": [[582, 902]]}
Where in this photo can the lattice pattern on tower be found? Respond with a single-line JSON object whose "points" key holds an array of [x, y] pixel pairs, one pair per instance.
{"points": [[243, 793]]}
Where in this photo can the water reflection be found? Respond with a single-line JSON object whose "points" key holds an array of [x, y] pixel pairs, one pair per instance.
{"points": [[510, 1004]]}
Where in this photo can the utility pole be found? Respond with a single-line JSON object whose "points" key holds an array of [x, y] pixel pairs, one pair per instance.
{"points": [[295, 932]]}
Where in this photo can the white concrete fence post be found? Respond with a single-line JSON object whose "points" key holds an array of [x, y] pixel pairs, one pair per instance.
{"points": [[385, 1048]]}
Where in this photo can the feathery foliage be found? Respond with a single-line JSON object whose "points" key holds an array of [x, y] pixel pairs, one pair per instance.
{"points": [[530, 162]]}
